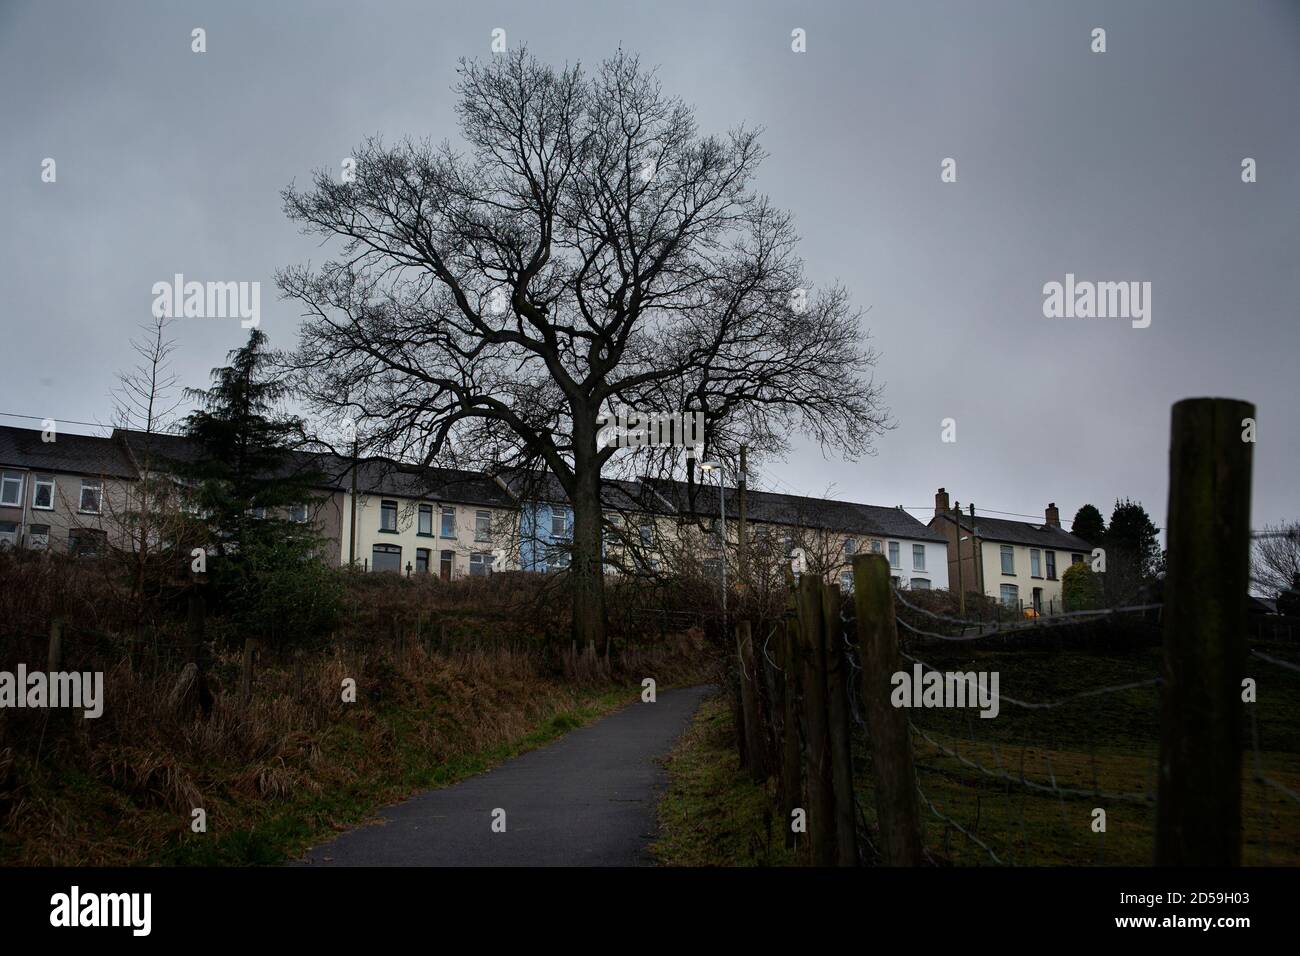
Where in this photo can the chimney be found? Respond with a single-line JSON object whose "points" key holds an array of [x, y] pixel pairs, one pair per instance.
{"points": [[941, 502], [1053, 515]]}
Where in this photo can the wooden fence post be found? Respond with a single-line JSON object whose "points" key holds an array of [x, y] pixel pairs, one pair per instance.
{"points": [[839, 722], [893, 772], [791, 745], [1198, 809], [821, 791], [54, 659], [754, 748], [246, 672]]}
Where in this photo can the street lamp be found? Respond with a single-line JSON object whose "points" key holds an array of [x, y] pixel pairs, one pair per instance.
{"points": [[706, 467]]}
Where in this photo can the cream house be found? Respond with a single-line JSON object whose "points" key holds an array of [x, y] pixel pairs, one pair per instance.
{"points": [[1018, 563], [441, 521], [822, 534]]}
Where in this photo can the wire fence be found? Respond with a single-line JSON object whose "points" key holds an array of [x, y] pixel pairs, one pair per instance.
{"points": [[1064, 775]]}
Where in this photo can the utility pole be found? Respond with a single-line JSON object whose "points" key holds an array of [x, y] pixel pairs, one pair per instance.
{"points": [[961, 589], [742, 547], [352, 536]]}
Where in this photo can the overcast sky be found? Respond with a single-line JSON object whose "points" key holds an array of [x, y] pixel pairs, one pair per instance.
{"points": [[1123, 165]]}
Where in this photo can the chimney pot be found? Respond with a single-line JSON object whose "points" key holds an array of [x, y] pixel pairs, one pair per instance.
{"points": [[1053, 515]]}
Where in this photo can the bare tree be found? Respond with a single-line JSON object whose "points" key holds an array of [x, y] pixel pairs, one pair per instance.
{"points": [[1275, 559], [146, 398], [148, 522], [588, 251]]}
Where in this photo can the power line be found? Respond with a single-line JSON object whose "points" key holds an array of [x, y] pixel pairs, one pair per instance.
{"points": [[63, 421]]}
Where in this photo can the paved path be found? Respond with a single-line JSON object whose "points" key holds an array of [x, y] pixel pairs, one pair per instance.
{"points": [[588, 799]]}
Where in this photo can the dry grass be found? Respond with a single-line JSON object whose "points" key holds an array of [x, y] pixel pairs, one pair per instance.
{"points": [[291, 765]]}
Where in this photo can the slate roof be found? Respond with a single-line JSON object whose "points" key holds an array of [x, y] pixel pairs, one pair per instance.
{"points": [[616, 494], [1023, 532], [796, 510], [67, 454], [376, 476]]}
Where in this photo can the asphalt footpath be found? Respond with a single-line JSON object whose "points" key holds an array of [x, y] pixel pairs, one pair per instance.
{"points": [[587, 799]]}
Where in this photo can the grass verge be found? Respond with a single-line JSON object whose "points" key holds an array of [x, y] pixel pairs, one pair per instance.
{"points": [[712, 814]]}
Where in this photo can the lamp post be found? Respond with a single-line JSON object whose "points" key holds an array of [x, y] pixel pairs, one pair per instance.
{"points": [[709, 466]]}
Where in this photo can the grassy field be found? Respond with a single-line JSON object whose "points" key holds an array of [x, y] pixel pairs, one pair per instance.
{"points": [[971, 770]]}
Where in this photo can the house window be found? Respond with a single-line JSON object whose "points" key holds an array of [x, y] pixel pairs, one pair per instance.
{"points": [[422, 559], [92, 494], [846, 582], [259, 512], [920, 584], [8, 534], [918, 557], [480, 564], [43, 493], [38, 537], [894, 560], [850, 547], [789, 545], [386, 557], [875, 547], [1076, 559], [1038, 600], [11, 488], [1010, 595], [1008, 559], [446, 562], [647, 534], [1035, 563], [559, 523], [86, 542], [448, 529], [482, 526], [425, 526], [388, 516], [1051, 565], [298, 514]]}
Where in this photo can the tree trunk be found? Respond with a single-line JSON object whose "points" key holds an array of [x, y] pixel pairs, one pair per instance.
{"points": [[587, 574]]}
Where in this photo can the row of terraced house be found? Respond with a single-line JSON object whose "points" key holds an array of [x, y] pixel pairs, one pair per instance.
{"points": [[377, 515]]}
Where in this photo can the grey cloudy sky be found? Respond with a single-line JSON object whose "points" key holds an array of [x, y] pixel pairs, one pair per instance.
{"points": [[1116, 166]]}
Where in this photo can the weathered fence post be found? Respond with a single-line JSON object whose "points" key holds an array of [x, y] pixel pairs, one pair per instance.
{"points": [[755, 750], [791, 746], [246, 672], [55, 656], [893, 772], [1198, 810], [821, 791], [839, 721]]}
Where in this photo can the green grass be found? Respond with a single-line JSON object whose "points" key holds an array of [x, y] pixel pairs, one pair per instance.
{"points": [[712, 814]]}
